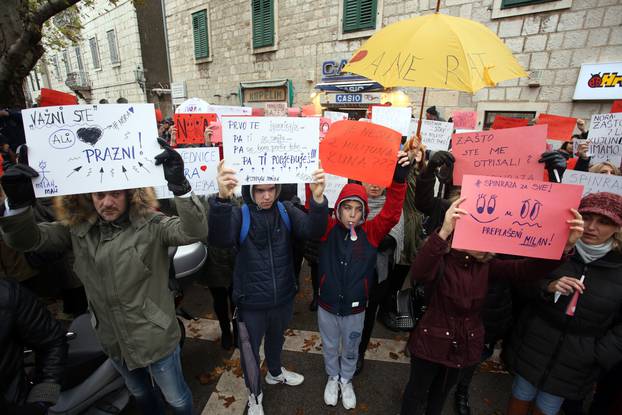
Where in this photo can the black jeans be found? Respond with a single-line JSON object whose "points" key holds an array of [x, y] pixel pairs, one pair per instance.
{"points": [[427, 387]]}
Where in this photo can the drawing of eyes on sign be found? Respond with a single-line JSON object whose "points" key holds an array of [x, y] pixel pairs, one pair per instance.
{"points": [[271, 149], [92, 148], [510, 152], [605, 138], [517, 217], [200, 168]]}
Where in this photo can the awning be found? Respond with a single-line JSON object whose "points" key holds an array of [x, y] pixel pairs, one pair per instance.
{"points": [[264, 84]]}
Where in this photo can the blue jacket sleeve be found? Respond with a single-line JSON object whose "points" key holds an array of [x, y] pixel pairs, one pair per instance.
{"points": [[224, 221], [311, 225]]}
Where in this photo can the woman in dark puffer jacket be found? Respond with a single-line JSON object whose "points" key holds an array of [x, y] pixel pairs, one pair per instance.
{"points": [[558, 348]]}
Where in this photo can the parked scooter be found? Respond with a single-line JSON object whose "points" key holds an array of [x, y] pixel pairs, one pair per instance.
{"points": [[93, 386]]}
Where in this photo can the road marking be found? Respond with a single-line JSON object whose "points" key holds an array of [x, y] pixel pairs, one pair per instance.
{"points": [[231, 390]]}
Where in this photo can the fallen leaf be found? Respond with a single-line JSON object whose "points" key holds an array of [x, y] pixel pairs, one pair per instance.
{"points": [[228, 401], [373, 345], [290, 332], [394, 356]]}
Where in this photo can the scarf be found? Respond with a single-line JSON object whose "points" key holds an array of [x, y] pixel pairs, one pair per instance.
{"points": [[382, 261], [590, 253]]}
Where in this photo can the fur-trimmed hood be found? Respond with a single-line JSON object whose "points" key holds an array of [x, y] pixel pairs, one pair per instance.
{"points": [[72, 210]]}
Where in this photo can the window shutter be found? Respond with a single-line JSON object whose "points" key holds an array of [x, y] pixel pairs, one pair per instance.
{"points": [[359, 15], [199, 30], [516, 3], [263, 23]]}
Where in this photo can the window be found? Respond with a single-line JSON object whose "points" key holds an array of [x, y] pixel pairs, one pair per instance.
{"points": [[112, 47], [79, 58], [359, 15], [37, 80], [199, 32], [263, 23], [67, 62], [32, 82], [489, 116], [515, 3], [54, 61], [94, 53]]}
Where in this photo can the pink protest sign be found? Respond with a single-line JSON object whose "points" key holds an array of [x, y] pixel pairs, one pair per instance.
{"points": [[517, 217], [510, 152], [464, 120]]}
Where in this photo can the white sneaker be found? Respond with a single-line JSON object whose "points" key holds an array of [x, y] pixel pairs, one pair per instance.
{"points": [[286, 377], [331, 391], [255, 406], [348, 398]]}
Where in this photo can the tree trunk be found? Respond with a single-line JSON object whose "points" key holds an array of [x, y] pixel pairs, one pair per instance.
{"points": [[20, 44]]}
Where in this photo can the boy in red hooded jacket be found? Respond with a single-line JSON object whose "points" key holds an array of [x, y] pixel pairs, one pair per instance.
{"points": [[347, 262]]}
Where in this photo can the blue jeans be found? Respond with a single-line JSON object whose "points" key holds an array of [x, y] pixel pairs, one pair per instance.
{"points": [[523, 390], [167, 374]]}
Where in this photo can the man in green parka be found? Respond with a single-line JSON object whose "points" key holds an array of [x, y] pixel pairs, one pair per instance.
{"points": [[120, 243]]}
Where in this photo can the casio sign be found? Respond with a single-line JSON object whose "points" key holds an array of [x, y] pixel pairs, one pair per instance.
{"points": [[349, 98], [332, 68]]}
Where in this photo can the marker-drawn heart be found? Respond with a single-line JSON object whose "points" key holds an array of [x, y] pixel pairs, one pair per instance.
{"points": [[359, 56], [203, 167], [90, 135]]}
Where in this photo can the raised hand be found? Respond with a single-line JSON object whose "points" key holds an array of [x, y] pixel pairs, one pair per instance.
{"points": [[226, 181], [173, 166], [318, 185], [453, 214], [576, 230]]}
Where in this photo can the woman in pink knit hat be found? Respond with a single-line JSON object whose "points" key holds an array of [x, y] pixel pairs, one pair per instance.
{"points": [[572, 330]]}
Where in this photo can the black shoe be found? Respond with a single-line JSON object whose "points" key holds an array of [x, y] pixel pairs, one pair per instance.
{"points": [[461, 403], [359, 364], [226, 340], [313, 305]]}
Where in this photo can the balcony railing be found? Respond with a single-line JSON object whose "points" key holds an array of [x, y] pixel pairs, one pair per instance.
{"points": [[78, 81]]}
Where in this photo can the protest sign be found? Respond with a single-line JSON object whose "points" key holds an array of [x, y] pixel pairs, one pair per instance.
{"points": [[333, 184], [191, 127], [516, 217], [605, 138], [396, 118], [276, 109], [511, 152], [335, 116], [309, 110], [271, 149], [193, 105], [616, 106], [228, 110], [325, 124], [559, 128], [436, 135], [216, 127], [464, 120], [361, 151], [52, 97], [200, 168], [92, 148], [501, 122], [594, 182]]}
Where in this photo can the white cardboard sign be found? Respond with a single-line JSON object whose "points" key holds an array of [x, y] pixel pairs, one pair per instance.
{"points": [[92, 148], [271, 149], [594, 182], [436, 135], [225, 110], [276, 109], [200, 168], [334, 185], [335, 116], [396, 118], [605, 138]]}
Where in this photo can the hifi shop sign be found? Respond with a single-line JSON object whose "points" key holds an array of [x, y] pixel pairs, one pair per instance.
{"points": [[599, 81]]}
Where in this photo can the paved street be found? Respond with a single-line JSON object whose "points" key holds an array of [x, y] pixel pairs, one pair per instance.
{"points": [[215, 378]]}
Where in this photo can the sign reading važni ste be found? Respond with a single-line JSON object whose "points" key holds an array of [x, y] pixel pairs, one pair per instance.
{"points": [[200, 168], [436, 135], [605, 138], [271, 149], [594, 182], [92, 148], [510, 152], [516, 217]]}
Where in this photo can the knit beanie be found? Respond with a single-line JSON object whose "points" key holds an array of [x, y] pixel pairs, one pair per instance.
{"points": [[606, 204]]}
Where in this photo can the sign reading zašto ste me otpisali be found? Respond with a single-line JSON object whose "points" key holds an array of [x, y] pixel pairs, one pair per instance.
{"points": [[599, 81]]}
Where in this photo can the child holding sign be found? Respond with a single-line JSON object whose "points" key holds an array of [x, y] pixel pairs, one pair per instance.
{"points": [[450, 335], [346, 265]]}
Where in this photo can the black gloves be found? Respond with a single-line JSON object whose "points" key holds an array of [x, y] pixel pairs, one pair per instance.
{"points": [[17, 185], [554, 161], [173, 166], [441, 164], [401, 173]]}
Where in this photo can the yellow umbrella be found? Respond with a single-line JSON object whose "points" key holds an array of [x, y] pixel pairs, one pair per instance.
{"points": [[436, 51]]}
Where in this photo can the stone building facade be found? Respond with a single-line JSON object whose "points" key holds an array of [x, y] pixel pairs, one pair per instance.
{"points": [[122, 55], [551, 39]]}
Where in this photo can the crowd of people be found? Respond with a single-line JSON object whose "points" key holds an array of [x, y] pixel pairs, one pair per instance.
{"points": [[558, 322]]}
